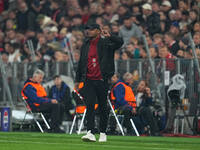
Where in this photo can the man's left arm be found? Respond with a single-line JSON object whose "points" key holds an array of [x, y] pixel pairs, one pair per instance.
{"points": [[115, 41]]}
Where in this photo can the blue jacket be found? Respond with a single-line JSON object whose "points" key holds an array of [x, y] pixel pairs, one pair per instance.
{"points": [[119, 92], [63, 95], [31, 92]]}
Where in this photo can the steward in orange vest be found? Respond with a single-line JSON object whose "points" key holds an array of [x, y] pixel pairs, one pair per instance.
{"points": [[124, 101], [122, 94], [34, 93]]}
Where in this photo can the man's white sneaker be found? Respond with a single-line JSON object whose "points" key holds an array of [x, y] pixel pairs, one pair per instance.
{"points": [[103, 137], [89, 137]]}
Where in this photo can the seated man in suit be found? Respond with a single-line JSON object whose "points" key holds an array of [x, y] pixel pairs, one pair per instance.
{"points": [[36, 97]]}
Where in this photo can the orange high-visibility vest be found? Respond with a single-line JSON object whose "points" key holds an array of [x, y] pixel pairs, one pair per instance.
{"points": [[40, 91], [129, 95]]}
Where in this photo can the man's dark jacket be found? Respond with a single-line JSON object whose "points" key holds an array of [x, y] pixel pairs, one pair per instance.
{"points": [[153, 23], [105, 50]]}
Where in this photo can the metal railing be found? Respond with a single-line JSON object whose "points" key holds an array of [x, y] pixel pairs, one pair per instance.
{"points": [[17, 73]]}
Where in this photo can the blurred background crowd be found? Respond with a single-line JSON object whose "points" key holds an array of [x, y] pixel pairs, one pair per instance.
{"points": [[56, 27]]}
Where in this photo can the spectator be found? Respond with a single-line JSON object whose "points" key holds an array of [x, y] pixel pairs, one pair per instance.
{"points": [[129, 30], [151, 19], [10, 25], [166, 7], [77, 23], [24, 18], [183, 43], [36, 97], [197, 27], [57, 11], [193, 15], [153, 52], [93, 13], [126, 55], [175, 30], [122, 13], [109, 13], [171, 43], [155, 6], [158, 40], [13, 54], [164, 53], [144, 101], [61, 92], [182, 5], [196, 39]]}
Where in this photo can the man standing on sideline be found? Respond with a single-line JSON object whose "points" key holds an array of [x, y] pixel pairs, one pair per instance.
{"points": [[36, 97], [95, 68]]}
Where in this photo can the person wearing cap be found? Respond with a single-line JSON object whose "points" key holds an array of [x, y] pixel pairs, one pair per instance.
{"points": [[166, 6], [95, 68], [151, 19]]}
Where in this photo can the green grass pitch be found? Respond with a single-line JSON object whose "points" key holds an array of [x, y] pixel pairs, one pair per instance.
{"points": [[47, 141]]}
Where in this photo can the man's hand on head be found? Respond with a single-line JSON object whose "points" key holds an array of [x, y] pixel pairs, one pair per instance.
{"points": [[105, 33]]}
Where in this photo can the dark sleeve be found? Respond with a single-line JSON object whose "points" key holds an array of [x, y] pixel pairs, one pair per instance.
{"points": [[50, 93], [115, 42]]}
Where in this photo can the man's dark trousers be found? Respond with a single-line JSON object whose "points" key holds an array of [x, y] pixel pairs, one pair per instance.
{"points": [[96, 91]]}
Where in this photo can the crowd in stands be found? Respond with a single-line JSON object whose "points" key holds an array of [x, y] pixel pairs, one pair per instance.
{"points": [[47, 30]]}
